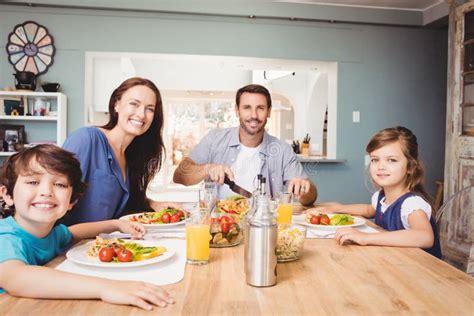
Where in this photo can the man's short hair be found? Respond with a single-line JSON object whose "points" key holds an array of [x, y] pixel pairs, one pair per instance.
{"points": [[253, 88]]}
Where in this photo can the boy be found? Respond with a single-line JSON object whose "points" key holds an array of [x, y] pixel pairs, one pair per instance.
{"points": [[40, 185]]}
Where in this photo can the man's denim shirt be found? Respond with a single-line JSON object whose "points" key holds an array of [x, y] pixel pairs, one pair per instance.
{"points": [[279, 162]]}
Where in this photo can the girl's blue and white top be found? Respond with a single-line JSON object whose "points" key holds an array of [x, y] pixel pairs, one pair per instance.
{"points": [[390, 217]]}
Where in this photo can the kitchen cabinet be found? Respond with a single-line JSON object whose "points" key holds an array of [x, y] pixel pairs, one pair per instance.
{"points": [[51, 127]]}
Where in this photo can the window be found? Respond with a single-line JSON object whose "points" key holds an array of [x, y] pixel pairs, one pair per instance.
{"points": [[198, 94]]}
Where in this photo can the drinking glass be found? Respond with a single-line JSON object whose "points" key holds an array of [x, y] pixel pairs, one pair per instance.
{"points": [[197, 238], [285, 208], [207, 196]]}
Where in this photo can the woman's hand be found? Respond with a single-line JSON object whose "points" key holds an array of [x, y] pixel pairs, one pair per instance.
{"points": [[350, 234], [137, 230], [159, 206], [316, 210], [140, 294]]}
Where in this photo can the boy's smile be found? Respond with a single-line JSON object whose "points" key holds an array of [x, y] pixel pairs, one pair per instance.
{"points": [[40, 198]]}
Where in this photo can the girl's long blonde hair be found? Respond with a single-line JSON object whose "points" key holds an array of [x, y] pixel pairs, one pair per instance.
{"points": [[409, 144]]}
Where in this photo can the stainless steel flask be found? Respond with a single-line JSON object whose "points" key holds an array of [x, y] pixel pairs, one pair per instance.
{"points": [[260, 245]]}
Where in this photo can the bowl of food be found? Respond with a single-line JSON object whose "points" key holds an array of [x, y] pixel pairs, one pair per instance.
{"points": [[234, 204], [290, 243], [225, 230]]}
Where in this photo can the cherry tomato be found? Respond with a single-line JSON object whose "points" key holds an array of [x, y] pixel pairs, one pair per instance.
{"points": [[225, 227], [181, 214], [106, 254], [125, 256], [225, 219], [165, 218], [315, 219], [324, 220], [175, 218], [117, 249]]}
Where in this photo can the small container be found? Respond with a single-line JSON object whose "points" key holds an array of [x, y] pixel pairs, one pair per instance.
{"points": [[290, 244], [260, 261], [225, 230]]}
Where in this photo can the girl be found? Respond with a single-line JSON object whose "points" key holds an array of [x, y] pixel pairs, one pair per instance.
{"points": [[40, 185], [119, 159], [401, 205]]}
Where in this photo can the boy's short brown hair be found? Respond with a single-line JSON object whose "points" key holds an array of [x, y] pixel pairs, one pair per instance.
{"points": [[52, 158]]}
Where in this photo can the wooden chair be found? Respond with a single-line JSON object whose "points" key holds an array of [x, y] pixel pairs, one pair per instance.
{"points": [[438, 197], [456, 230]]}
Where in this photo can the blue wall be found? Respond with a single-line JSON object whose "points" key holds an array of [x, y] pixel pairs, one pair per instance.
{"points": [[392, 75]]}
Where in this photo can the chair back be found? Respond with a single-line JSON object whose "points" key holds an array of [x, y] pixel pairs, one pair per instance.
{"points": [[455, 222]]}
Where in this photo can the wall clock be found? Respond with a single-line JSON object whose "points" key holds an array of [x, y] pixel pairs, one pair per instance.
{"points": [[30, 47]]}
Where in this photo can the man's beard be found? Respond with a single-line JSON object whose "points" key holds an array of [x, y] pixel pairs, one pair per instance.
{"points": [[249, 131]]}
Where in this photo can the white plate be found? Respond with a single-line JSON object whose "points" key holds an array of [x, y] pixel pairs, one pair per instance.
{"points": [[300, 219], [79, 255], [154, 226]]}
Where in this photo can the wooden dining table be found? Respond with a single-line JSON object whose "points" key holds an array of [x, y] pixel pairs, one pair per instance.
{"points": [[328, 280]]}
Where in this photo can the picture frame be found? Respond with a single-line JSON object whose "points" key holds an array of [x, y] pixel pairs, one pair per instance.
{"points": [[13, 106], [11, 135]]}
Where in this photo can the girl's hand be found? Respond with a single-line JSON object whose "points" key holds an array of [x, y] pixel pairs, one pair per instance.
{"points": [[350, 234], [137, 230], [140, 294]]}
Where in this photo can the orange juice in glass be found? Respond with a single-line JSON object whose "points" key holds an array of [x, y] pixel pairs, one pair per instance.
{"points": [[285, 208], [197, 238]]}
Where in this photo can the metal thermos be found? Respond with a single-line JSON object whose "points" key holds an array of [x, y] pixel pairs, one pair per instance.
{"points": [[261, 234]]}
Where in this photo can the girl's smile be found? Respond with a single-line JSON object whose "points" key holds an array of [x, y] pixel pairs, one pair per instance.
{"points": [[388, 166]]}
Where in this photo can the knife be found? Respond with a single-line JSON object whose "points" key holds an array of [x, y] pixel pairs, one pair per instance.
{"points": [[237, 189]]}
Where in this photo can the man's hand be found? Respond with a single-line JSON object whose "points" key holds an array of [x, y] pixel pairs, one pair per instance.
{"points": [[299, 187], [218, 172]]}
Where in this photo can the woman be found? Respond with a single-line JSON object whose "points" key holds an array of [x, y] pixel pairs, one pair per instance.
{"points": [[119, 159]]}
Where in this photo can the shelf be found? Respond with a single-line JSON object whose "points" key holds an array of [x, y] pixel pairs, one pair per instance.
{"points": [[17, 93], [29, 118], [7, 153], [38, 128], [318, 159]]}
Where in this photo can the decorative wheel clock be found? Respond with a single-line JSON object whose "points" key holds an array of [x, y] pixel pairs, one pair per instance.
{"points": [[30, 48]]}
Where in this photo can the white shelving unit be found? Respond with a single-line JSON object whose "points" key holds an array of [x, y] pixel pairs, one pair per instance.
{"points": [[37, 127]]}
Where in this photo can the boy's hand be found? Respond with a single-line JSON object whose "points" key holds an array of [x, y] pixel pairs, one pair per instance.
{"points": [[137, 230], [140, 294], [345, 235]]}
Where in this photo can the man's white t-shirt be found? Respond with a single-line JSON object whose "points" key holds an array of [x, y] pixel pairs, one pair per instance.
{"points": [[245, 168]]}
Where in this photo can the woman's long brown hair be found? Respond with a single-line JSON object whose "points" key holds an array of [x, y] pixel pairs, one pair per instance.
{"points": [[409, 144], [146, 152]]}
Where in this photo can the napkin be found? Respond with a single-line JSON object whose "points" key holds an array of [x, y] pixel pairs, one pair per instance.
{"points": [[161, 273], [313, 233]]}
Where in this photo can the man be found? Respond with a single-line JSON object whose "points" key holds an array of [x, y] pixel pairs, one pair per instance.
{"points": [[240, 153]]}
